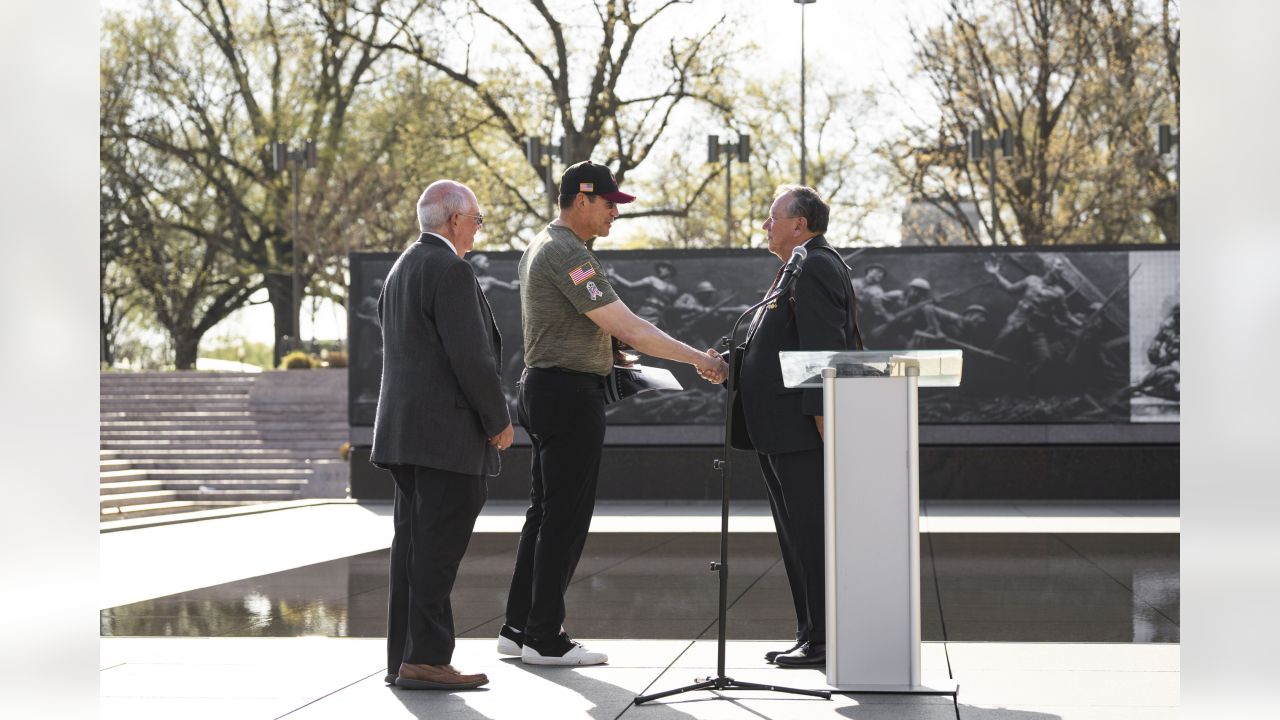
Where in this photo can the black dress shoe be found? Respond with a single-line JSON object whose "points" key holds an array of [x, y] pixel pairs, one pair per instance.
{"points": [[773, 654], [807, 655]]}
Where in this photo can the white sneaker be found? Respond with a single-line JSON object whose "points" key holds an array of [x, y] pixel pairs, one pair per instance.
{"points": [[573, 654], [510, 641]]}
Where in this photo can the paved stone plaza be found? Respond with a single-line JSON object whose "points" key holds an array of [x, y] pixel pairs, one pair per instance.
{"points": [[1037, 610]]}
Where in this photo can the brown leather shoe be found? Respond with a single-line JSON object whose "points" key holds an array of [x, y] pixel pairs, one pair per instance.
{"points": [[437, 677]]}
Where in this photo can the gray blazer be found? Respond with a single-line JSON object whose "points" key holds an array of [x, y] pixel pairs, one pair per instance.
{"points": [[441, 398]]}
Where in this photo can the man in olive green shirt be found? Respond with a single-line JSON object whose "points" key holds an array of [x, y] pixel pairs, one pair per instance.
{"points": [[570, 314]]}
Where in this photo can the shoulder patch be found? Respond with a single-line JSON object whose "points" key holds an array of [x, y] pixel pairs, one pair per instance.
{"points": [[582, 273]]}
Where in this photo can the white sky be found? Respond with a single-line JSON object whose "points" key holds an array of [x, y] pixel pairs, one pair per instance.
{"points": [[860, 42]]}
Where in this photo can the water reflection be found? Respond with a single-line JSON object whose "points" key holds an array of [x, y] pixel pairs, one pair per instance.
{"points": [[339, 598], [975, 587]]}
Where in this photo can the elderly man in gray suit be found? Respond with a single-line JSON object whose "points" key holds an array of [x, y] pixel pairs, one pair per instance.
{"points": [[440, 423]]}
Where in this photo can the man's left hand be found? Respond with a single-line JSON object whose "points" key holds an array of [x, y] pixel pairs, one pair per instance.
{"points": [[503, 440]]}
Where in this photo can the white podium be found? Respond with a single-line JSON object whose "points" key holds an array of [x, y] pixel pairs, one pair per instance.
{"points": [[872, 511]]}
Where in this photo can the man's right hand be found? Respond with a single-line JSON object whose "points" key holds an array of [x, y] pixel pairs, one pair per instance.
{"points": [[712, 368], [503, 440]]}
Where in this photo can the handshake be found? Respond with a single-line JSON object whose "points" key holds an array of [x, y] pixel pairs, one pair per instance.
{"points": [[711, 368]]}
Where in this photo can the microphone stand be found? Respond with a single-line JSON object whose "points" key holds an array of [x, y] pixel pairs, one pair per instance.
{"points": [[722, 681]]}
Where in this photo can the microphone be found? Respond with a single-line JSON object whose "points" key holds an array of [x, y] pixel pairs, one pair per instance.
{"points": [[792, 269]]}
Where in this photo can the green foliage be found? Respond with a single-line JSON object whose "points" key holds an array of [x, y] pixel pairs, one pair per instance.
{"points": [[298, 360]]}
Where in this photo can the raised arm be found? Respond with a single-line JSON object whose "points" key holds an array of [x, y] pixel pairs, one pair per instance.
{"points": [[993, 267], [614, 277]]}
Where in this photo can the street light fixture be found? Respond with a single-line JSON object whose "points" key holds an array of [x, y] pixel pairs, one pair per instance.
{"points": [[298, 161], [804, 168], [536, 150], [1166, 139], [977, 148], [741, 148]]}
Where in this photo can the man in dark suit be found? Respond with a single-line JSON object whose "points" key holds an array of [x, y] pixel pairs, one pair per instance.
{"points": [[440, 423], [784, 425]]}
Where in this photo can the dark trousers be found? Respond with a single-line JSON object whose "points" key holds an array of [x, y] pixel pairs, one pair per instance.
{"points": [[796, 491], [563, 413], [435, 511]]}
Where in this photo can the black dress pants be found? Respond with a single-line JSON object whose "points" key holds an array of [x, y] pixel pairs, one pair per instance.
{"points": [[435, 512], [796, 495], [563, 412]]}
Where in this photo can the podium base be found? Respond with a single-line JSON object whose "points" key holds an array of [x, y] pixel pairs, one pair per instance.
{"points": [[945, 687], [929, 686]]}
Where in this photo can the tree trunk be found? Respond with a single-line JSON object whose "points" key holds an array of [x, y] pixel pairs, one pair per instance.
{"points": [[1166, 211], [186, 346], [280, 294], [106, 353]]}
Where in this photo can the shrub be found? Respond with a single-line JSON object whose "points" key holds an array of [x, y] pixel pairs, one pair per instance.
{"points": [[335, 359], [297, 360]]}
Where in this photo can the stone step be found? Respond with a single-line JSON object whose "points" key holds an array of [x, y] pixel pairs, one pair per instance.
{"points": [[182, 415], [238, 495], [205, 464], [161, 393], [112, 465], [185, 405], [122, 487], [177, 374], [247, 379], [221, 453], [208, 474], [163, 508], [212, 433], [121, 474], [227, 473], [199, 487], [141, 497], [318, 417], [165, 396], [165, 426], [128, 445]]}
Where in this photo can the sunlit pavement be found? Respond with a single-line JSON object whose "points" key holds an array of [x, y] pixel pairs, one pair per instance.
{"points": [[1037, 610]]}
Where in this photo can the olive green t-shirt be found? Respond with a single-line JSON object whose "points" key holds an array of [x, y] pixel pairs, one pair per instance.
{"points": [[560, 280]]}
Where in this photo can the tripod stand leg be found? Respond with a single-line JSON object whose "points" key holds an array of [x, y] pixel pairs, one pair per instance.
{"points": [[704, 685]]}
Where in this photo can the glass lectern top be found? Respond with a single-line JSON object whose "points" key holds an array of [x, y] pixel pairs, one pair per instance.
{"points": [[938, 368]]}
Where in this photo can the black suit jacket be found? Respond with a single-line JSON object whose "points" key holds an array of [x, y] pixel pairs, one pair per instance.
{"points": [[441, 397], [814, 315]]}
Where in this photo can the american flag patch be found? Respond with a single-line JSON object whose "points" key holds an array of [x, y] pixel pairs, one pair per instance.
{"points": [[580, 274], [586, 187]]}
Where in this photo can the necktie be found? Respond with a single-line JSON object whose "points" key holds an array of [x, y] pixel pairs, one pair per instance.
{"points": [[755, 321]]}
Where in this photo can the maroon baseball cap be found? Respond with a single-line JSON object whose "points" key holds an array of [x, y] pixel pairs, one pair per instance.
{"points": [[588, 177]]}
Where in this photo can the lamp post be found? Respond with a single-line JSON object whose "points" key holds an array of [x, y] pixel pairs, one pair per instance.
{"points": [[1166, 138], [741, 148], [804, 166], [979, 146], [536, 150], [298, 162]]}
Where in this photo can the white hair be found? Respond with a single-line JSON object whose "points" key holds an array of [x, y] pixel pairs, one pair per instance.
{"points": [[440, 201]]}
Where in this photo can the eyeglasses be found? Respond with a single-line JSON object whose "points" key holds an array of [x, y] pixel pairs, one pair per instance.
{"points": [[773, 219], [478, 218]]}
